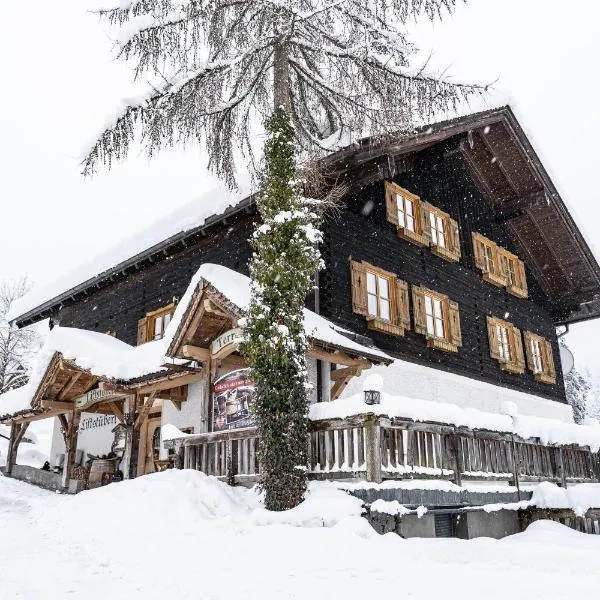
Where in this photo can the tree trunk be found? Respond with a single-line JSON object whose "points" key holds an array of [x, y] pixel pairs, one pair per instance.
{"points": [[281, 81]]}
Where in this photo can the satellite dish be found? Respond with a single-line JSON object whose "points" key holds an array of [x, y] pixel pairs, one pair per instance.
{"points": [[567, 361]]}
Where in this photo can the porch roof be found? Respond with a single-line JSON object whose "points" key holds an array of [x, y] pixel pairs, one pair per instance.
{"points": [[232, 290]]}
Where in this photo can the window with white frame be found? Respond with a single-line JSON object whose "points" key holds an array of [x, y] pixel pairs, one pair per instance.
{"points": [[503, 343], [536, 356], [434, 316], [438, 235], [406, 212], [378, 296]]}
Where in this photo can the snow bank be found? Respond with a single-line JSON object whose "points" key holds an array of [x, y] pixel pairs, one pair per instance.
{"points": [[549, 431], [183, 535], [188, 217], [579, 498]]}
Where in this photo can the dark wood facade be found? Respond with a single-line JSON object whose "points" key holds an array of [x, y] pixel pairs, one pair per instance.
{"points": [[362, 232], [481, 170]]}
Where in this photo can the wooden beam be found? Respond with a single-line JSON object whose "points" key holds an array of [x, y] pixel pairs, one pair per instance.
{"points": [[165, 384], [117, 411], [70, 449], [69, 385], [195, 352], [44, 415], [54, 405], [143, 414], [339, 374], [337, 357], [210, 307]]}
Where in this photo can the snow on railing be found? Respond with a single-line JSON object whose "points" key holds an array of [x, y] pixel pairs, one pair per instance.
{"points": [[375, 447]]}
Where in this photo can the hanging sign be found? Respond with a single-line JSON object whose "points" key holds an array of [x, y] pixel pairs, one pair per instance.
{"points": [[226, 341], [233, 399], [93, 397]]}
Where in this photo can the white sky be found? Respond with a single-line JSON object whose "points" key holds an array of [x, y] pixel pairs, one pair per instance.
{"points": [[61, 84]]}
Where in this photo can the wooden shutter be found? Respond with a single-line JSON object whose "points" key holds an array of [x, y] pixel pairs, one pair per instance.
{"points": [[454, 332], [419, 315], [424, 223], [521, 279], [501, 269], [453, 238], [391, 204], [493, 338], [359, 287], [479, 252], [528, 336], [519, 358], [402, 308], [142, 332], [549, 367]]}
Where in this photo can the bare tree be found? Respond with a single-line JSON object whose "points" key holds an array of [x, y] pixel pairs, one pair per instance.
{"points": [[16, 345], [340, 68], [315, 74]]}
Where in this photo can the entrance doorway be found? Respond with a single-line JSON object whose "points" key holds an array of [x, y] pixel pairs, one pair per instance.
{"points": [[152, 444]]}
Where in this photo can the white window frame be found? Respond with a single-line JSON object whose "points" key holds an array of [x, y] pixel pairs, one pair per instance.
{"points": [[504, 349], [438, 229], [380, 299], [536, 355], [406, 217], [434, 316]]}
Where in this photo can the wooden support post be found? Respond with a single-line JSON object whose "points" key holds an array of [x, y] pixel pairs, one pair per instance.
{"points": [[373, 448], [515, 466], [71, 448], [560, 467], [14, 431], [458, 463], [126, 463]]}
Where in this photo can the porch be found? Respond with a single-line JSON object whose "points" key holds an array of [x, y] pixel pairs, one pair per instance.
{"points": [[374, 448]]}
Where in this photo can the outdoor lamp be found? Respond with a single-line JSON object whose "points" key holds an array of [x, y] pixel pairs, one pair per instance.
{"points": [[372, 389]]}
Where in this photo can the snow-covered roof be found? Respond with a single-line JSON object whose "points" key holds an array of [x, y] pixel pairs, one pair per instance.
{"points": [[235, 287], [100, 354], [164, 232]]}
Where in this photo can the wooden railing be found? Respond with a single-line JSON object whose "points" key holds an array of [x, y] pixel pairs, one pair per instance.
{"points": [[376, 448]]}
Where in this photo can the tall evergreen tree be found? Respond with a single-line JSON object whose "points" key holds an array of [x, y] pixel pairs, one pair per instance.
{"points": [[317, 73]]}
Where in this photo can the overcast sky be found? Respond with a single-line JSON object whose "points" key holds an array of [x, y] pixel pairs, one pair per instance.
{"points": [[60, 85]]}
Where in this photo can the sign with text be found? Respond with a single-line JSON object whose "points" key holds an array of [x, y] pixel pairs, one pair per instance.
{"points": [[233, 398], [228, 339], [93, 397]]}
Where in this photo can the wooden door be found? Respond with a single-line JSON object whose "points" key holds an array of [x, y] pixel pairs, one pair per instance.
{"points": [[152, 444]]}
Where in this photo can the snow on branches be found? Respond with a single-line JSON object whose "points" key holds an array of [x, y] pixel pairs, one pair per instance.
{"points": [[347, 71], [286, 258]]}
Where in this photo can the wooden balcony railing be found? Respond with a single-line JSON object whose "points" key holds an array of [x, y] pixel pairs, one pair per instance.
{"points": [[376, 448]]}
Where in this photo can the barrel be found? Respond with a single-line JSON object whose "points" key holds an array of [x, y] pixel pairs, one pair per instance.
{"points": [[98, 469]]}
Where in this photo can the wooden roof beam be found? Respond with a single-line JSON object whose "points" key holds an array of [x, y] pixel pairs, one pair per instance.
{"points": [[514, 208]]}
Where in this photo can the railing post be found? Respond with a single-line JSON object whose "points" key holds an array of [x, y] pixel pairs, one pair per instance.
{"points": [[515, 466], [560, 467], [229, 464], [373, 448], [458, 466]]}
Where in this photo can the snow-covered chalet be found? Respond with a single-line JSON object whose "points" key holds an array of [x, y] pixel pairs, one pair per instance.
{"points": [[451, 264]]}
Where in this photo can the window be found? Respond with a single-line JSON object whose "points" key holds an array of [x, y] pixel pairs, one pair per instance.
{"points": [[406, 212], [499, 266], [421, 223], [540, 357], [434, 316], [154, 324], [378, 293], [438, 236], [381, 297], [505, 345], [437, 318]]}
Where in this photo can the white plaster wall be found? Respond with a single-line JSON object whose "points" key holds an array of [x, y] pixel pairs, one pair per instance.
{"points": [[311, 367], [417, 381], [95, 435], [193, 413]]}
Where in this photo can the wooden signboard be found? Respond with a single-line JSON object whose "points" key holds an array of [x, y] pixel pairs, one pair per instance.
{"points": [[93, 397]]}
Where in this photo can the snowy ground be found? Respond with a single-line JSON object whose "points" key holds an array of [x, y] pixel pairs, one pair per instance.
{"points": [[183, 535]]}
